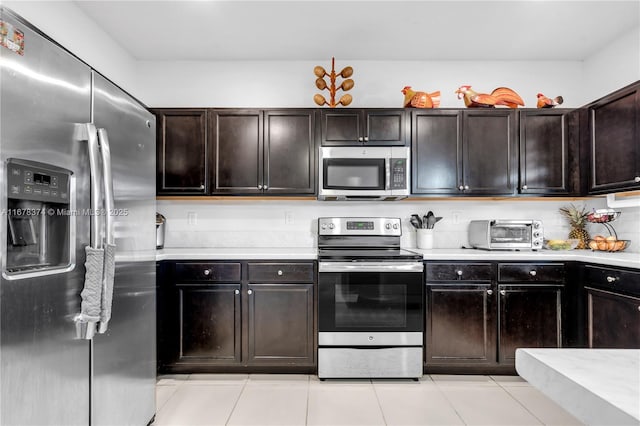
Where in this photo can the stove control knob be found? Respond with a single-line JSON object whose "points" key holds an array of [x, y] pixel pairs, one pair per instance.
{"points": [[387, 226], [395, 226], [323, 226], [331, 226], [371, 338]]}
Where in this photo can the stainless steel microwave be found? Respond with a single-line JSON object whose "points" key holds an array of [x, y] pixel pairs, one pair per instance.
{"points": [[364, 173], [506, 234]]}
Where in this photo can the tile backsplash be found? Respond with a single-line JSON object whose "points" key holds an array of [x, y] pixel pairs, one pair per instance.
{"points": [[278, 223]]}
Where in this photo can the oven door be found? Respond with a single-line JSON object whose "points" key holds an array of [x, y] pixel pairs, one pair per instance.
{"points": [[370, 297]]}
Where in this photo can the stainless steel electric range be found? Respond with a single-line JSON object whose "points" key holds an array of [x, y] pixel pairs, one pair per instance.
{"points": [[371, 300]]}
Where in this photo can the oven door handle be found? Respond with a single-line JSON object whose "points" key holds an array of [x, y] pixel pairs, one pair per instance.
{"points": [[370, 267]]}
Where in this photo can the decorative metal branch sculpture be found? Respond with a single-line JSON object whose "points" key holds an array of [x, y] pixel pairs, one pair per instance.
{"points": [[321, 84]]}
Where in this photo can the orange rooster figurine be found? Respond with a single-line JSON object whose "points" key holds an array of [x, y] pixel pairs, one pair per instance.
{"points": [[500, 96], [420, 99], [544, 102]]}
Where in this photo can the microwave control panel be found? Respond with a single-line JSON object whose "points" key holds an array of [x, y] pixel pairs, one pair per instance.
{"points": [[398, 173]]}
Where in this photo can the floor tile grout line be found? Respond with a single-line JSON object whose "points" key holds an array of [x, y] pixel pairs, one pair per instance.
{"points": [[444, 395], [523, 405], [384, 419], [235, 404], [306, 414]]}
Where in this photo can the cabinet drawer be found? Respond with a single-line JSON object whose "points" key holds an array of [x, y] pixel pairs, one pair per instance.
{"points": [[208, 272], [530, 273], [613, 279], [281, 272], [459, 271]]}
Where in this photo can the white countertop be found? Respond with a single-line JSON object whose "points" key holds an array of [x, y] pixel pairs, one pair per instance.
{"points": [[630, 260], [238, 253], [598, 386]]}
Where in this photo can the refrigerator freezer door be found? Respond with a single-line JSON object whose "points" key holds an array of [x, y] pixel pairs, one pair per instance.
{"points": [[44, 369], [124, 357]]}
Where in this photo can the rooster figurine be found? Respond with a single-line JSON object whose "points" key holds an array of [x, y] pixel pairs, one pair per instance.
{"points": [[500, 96], [544, 102], [420, 99]]}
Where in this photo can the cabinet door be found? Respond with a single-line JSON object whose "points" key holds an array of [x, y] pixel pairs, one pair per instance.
{"points": [[436, 152], [613, 320], [209, 324], [489, 152], [289, 152], [615, 141], [529, 317], [181, 151], [548, 145], [237, 138], [341, 127], [280, 326], [460, 324], [385, 127]]}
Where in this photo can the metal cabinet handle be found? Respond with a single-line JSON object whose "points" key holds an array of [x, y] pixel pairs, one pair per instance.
{"points": [[524, 187], [265, 187], [360, 139], [503, 292], [489, 292], [459, 272], [639, 308], [611, 279], [636, 179], [207, 272], [279, 272], [466, 187], [236, 292], [259, 186], [249, 291], [461, 188], [533, 273], [366, 138], [202, 186]]}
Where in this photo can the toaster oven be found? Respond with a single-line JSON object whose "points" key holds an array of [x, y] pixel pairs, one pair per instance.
{"points": [[506, 234]]}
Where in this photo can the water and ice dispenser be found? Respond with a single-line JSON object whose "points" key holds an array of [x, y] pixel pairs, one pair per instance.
{"points": [[39, 215]]}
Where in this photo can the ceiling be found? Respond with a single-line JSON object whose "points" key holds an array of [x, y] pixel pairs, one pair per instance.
{"points": [[363, 30]]}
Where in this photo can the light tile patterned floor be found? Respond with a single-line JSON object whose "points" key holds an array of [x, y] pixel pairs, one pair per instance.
{"points": [[272, 399]]}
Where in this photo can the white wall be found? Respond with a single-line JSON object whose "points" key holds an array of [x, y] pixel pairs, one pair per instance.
{"points": [[377, 83], [65, 23], [613, 67], [244, 223]]}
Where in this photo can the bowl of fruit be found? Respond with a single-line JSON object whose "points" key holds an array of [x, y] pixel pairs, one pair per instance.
{"points": [[611, 243], [569, 244]]}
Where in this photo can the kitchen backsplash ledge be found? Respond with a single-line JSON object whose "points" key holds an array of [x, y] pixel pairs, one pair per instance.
{"points": [[280, 223]]}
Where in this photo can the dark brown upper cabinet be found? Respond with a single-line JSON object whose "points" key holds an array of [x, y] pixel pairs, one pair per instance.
{"points": [[549, 152], [464, 152], [364, 127], [181, 152], [614, 139], [263, 151]]}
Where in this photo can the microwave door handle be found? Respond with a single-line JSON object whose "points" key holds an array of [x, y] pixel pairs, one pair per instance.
{"points": [[512, 223], [387, 173]]}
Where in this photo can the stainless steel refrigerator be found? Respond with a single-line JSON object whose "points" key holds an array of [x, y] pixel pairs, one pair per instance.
{"points": [[54, 370]]}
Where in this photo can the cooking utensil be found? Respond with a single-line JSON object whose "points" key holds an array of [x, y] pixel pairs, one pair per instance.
{"points": [[415, 222], [430, 220]]}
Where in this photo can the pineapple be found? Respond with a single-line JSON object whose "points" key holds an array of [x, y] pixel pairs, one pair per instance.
{"points": [[577, 220]]}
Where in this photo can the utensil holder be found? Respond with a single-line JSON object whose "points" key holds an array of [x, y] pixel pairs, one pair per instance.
{"points": [[424, 238]]}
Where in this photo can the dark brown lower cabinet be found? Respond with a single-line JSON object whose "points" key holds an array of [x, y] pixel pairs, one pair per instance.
{"points": [[460, 325], [613, 320], [529, 317], [475, 321], [280, 326], [236, 317], [209, 324]]}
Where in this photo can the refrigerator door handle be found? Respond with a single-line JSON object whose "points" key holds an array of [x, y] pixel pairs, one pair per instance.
{"points": [[105, 151], [96, 193], [109, 240]]}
